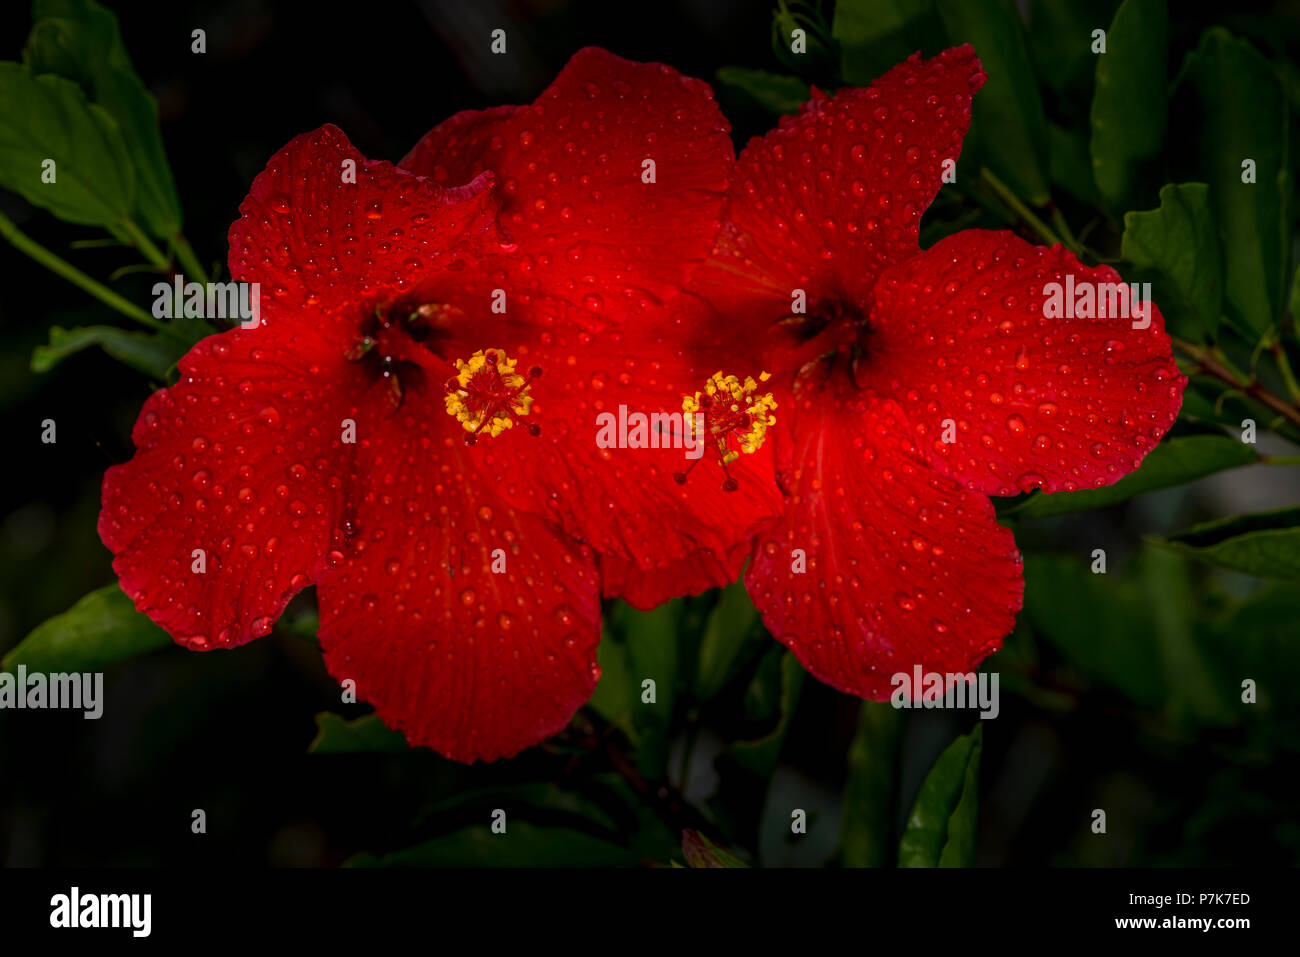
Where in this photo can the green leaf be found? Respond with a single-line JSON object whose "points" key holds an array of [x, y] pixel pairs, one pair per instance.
{"points": [[1060, 41], [775, 92], [605, 802], [1174, 462], [152, 353], [48, 117], [1008, 125], [81, 42], [1293, 300], [760, 755], [523, 845], [1129, 105], [1176, 248], [1173, 612], [1209, 402], [1157, 636], [1100, 623], [745, 768], [875, 35], [821, 55], [615, 696], [870, 797], [651, 641], [99, 25], [637, 646], [337, 735], [1134, 630], [101, 629], [762, 701], [1255, 638], [701, 852], [941, 829], [732, 628], [1266, 544], [1070, 168], [304, 625], [1230, 107]]}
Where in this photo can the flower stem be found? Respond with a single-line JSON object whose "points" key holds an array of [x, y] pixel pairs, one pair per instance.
{"points": [[1067, 236], [1031, 219], [61, 267], [666, 801], [1284, 367], [1214, 363], [189, 262], [105, 243], [688, 749], [143, 243]]}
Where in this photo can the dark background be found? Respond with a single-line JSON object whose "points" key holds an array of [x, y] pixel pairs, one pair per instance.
{"points": [[228, 731]]}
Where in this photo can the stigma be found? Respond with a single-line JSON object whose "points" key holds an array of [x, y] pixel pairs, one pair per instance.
{"points": [[731, 417], [487, 394]]}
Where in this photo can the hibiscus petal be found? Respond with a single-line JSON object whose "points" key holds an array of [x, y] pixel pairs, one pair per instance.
{"points": [[835, 193], [318, 243], [571, 166], [235, 461], [960, 337], [903, 566], [462, 146], [657, 538], [659, 580], [474, 663]]}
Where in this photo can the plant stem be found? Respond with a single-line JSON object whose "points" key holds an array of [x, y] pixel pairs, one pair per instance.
{"points": [[1281, 460], [1223, 360], [1284, 367], [666, 801], [1062, 227], [61, 267], [688, 749], [189, 262], [94, 243], [146, 246], [1087, 230], [1213, 363], [131, 270], [1031, 219]]}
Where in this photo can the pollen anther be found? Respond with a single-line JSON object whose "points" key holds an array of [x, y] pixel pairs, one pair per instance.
{"points": [[734, 418], [487, 394]]}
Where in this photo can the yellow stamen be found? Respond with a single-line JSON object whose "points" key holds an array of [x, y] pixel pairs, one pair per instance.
{"points": [[732, 413], [487, 393]]}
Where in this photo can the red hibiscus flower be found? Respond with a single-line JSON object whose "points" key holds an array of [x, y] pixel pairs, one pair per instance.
{"points": [[914, 384], [388, 432], [592, 233]]}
